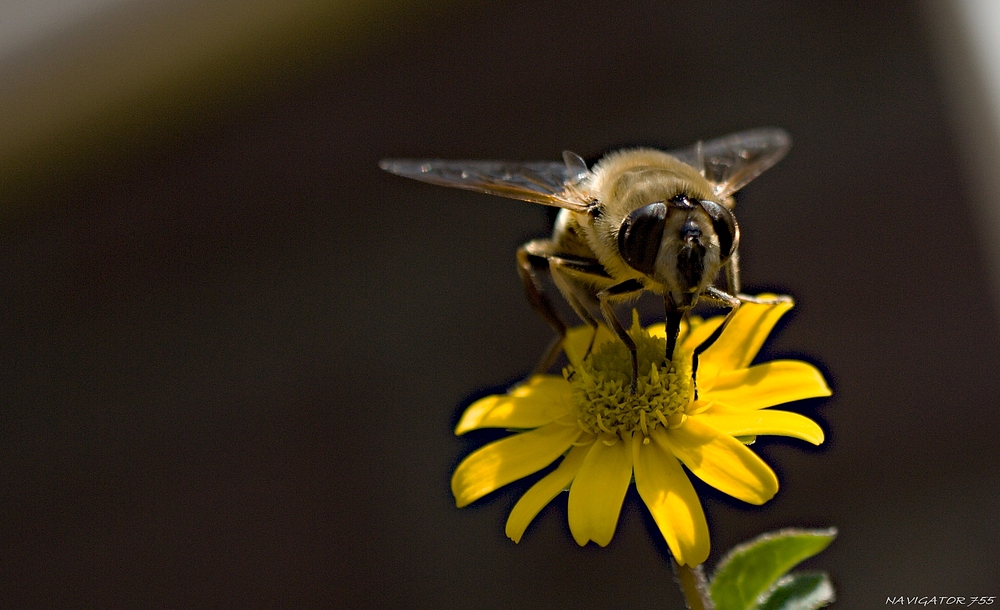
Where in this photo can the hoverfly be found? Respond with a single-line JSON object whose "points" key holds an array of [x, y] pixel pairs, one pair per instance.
{"points": [[639, 220]]}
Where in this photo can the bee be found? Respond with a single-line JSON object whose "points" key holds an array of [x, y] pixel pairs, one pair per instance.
{"points": [[640, 220]]}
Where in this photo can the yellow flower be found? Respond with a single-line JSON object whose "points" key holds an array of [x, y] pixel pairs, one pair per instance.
{"points": [[604, 435]]}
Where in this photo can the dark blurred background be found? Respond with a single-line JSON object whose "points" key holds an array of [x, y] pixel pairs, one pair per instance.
{"points": [[232, 350]]}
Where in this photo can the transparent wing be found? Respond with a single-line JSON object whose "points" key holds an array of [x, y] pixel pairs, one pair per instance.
{"points": [[548, 183], [732, 161]]}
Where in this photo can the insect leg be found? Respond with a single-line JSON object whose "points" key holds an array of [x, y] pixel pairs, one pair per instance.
{"points": [[674, 316], [726, 299], [604, 297], [573, 276], [733, 302], [733, 272], [531, 259], [557, 267], [616, 325], [746, 298], [733, 287]]}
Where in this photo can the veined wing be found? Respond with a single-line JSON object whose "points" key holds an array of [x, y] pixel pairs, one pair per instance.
{"points": [[545, 182], [732, 161]]}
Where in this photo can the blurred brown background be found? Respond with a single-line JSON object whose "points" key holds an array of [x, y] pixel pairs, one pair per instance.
{"points": [[232, 350]]}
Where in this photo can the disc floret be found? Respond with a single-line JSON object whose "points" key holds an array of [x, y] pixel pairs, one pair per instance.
{"points": [[601, 397]]}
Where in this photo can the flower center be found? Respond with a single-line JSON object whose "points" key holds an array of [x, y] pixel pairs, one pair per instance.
{"points": [[601, 383]]}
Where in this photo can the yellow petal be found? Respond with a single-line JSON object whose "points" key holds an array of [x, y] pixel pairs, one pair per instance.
{"points": [[536, 402], [699, 332], [595, 499], [721, 461], [660, 330], [707, 372], [671, 500], [509, 459], [763, 421], [741, 340], [578, 338], [542, 492], [766, 385]]}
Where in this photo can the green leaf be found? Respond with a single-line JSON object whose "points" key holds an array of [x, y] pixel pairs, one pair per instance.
{"points": [[801, 591], [752, 568]]}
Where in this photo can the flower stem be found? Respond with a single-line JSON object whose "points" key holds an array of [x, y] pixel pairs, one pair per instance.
{"points": [[693, 586]]}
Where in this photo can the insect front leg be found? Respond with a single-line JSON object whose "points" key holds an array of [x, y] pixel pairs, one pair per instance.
{"points": [[730, 301], [673, 317], [732, 270], [605, 297], [733, 286], [746, 298], [733, 302]]}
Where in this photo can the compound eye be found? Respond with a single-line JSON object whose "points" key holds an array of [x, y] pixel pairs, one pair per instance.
{"points": [[724, 224], [640, 235]]}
